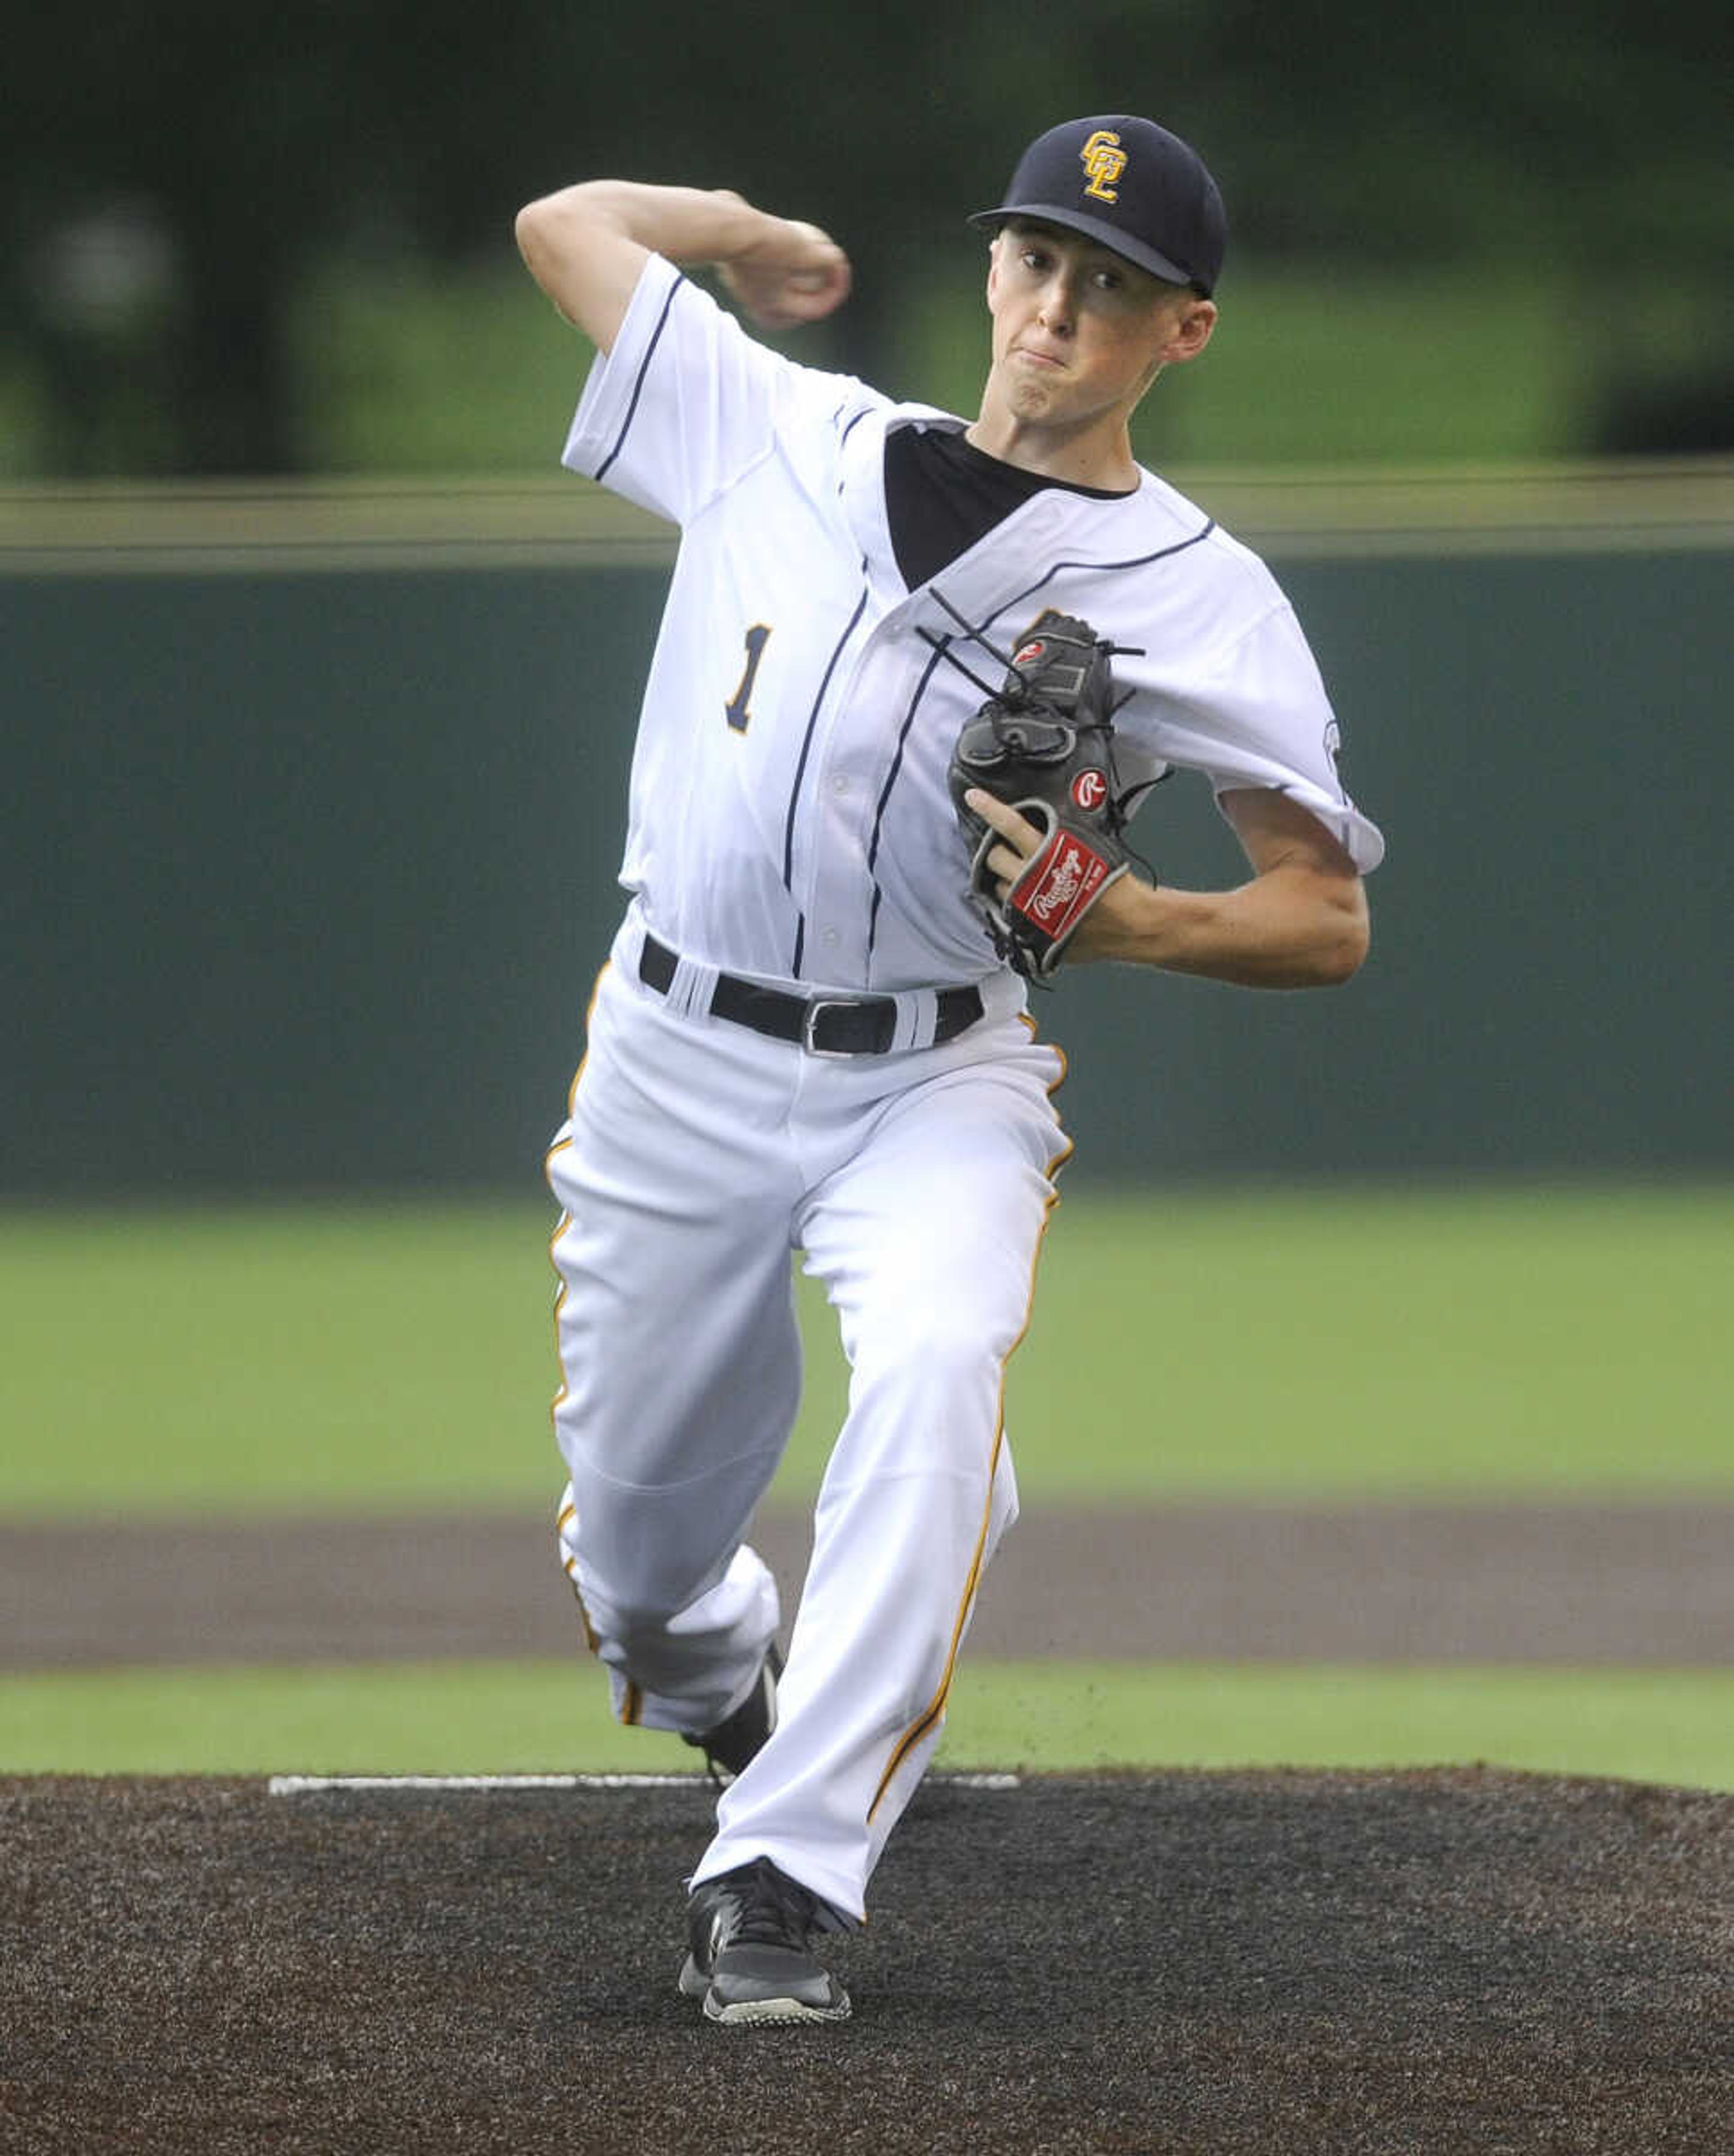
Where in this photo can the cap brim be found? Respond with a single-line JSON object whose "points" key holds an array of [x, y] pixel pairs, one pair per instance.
{"points": [[1097, 228]]}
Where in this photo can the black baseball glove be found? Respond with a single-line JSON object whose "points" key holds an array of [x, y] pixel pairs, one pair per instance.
{"points": [[1045, 745]]}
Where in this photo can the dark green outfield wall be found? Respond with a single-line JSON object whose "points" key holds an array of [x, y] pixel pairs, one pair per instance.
{"points": [[306, 876]]}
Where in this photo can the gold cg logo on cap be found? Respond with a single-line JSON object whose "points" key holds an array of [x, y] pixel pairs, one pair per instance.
{"points": [[1103, 160]]}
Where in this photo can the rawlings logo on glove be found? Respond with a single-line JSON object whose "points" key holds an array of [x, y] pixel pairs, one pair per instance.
{"points": [[1044, 744], [1071, 880]]}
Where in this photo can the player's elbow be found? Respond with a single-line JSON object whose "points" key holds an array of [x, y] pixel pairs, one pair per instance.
{"points": [[532, 229], [1344, 937], [553, 229], [1341, 963]]}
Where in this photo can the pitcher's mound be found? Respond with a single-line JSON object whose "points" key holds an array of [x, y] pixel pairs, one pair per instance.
{"points": [[1275, 1964]]}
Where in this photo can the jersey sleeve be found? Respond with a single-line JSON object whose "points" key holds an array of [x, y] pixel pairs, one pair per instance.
{"points": [[686, 401], [1260, 717]]}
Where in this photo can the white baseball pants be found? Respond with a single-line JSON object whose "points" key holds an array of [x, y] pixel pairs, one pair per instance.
{"points": [[697, 1156]]}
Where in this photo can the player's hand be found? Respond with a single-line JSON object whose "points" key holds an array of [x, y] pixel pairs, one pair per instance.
{"points": [[795, 273], [1116, 915], [1019, 838]]}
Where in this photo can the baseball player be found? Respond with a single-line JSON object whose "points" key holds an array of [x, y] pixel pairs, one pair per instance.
{"points": [[811, 1036]]}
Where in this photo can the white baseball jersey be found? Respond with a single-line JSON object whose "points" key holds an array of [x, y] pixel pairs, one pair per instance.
{"points": [[789, 817]]}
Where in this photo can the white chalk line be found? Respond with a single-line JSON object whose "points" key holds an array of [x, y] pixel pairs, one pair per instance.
{"points": [[305, 1785]]}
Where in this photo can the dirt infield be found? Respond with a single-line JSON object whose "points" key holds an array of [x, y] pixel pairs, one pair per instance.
{"points": [[1635, 1584], [1181, 1964], [1217, 1964]]}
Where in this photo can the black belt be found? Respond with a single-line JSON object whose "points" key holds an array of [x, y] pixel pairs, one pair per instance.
{"points": [[826, 1025]]}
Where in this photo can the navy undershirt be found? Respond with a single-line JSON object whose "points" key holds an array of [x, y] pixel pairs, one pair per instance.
{"points": [[943, 493]]}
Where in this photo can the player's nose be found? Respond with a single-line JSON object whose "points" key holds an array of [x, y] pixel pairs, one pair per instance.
{"points": [[1059, 303]]}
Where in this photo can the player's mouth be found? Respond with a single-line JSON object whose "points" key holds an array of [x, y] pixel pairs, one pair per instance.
{"points": [[1037, 357]]}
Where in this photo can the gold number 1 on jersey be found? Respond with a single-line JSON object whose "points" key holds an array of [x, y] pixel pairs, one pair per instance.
{"points": [[735, 711]]}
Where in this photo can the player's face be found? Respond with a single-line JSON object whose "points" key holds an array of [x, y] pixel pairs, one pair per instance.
{"points": [[1079, 332]]}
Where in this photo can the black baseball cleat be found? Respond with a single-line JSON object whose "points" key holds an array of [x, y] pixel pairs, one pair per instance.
{"points": [[750, 1930], [729, 1746]]}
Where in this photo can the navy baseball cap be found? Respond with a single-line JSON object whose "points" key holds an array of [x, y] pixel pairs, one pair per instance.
{"points": [[1129, 184]]}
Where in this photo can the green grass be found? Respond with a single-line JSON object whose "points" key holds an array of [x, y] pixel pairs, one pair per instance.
{"points": [[327, 1357], [410, 368], [403, 365], [1509, 1342], [1505, 1341], [1331, 366], [498, 1718], [1324, 364]]}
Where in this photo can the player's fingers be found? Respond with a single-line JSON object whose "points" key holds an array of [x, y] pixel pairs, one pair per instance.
{"points": [[1004, 865], [818, 267], [1023, 836], [816, 291], [783, 299], [814, 238]]}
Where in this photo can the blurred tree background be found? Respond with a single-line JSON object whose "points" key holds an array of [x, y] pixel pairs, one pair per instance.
{"points": [[279, 241]]}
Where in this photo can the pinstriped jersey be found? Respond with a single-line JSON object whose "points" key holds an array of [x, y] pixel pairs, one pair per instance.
{"points": [[789, 814]]}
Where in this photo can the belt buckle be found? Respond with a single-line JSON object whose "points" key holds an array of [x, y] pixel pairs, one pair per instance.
{"points": [[810, 1017]]}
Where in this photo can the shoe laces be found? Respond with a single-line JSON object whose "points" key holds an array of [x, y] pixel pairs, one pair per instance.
{"points": [[770, 1909]]}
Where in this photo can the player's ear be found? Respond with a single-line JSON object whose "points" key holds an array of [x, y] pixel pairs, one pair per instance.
{"points": [[1190, 331]]}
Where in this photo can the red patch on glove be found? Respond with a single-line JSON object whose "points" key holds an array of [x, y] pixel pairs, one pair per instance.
{"points": [[1055, 890]]}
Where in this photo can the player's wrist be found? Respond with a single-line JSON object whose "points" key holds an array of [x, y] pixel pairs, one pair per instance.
{"points": [[1126, 924], [738, 227]]}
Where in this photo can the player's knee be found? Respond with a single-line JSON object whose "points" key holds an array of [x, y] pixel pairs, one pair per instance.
{"points": [[939, 1340], [638, 1605], [935, 1374]]}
